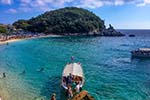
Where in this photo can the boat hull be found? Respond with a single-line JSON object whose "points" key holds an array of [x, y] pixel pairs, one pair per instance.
{"points": [[137, 55], [73, 77]]}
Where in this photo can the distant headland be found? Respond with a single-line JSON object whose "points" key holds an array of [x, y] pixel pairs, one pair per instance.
{"points": [[64, 21]]}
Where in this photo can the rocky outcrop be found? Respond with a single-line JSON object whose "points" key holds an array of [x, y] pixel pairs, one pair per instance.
{"points": [[111, 32], [106, 32]]}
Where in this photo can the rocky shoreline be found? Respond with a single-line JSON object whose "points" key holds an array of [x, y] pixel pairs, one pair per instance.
{"points": [[10, 38], [27, 35], [111, 32]]}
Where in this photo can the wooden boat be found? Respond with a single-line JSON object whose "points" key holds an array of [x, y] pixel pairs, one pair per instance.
{"points": [[75, 70], [141, 52]]}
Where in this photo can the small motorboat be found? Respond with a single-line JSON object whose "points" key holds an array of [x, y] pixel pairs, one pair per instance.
{"points": [[75, 71], [141, 52], [131, 35]]}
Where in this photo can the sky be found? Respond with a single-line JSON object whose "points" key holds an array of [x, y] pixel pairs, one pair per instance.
{"points": [[122, 14]]}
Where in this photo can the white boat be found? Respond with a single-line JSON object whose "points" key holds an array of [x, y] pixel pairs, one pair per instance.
{"points": [[141, 52], [74, 69]]}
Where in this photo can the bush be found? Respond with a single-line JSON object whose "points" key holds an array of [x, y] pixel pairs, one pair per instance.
{"points": [[3, 29]]}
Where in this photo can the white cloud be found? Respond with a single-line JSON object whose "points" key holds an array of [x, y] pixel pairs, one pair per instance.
{"points": [[39, 3], [25, 1], [144, 3], [13, 11], [45, 5], [141, 4], [147, 1], [24, 9], [99, 3], [6, 2], [90, 4], [119, 2]]}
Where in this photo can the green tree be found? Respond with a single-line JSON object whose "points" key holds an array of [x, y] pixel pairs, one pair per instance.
{"points": [[3, 29], [66, 20], [21, 24]]}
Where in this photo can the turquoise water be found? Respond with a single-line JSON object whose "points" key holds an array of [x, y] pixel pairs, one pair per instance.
{"points": [[110, 72]]}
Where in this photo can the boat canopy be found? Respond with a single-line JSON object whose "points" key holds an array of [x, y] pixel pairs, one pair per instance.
{"points": [[144, 49], [74, 69]]}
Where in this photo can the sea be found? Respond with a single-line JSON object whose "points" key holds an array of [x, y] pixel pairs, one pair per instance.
{"points": [[34, 67]]}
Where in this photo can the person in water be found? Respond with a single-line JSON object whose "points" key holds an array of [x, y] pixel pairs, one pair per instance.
{"points": [[53, 97], [41, 69], [23, 72], [4, 75], [72, 58]]}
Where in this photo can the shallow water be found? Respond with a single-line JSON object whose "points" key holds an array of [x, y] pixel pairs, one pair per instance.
{"points": [[110, 72]]}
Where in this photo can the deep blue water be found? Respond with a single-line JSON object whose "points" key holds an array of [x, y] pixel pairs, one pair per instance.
{"points": [[110, 72]]}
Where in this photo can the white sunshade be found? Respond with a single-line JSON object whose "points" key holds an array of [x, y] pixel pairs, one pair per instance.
{"points": [[74, 69], [144, 49]]}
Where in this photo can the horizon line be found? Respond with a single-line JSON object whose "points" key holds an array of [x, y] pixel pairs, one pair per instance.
{"points": [[134, 29]]}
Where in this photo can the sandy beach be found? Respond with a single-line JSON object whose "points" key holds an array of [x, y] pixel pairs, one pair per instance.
{"points": [[33, 37], [8, 41]]}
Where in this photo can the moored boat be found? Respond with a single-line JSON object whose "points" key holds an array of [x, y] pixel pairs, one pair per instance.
{"points": [[141, 52], [131, 35], [75, 71]]}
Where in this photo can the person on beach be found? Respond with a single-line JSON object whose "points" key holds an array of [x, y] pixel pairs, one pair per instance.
{"points": [[53, 97]]}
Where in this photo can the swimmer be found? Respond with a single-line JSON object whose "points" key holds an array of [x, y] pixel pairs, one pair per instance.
{"points": [[4, 75], [40, 70], [53, 97], [23, 72]]}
